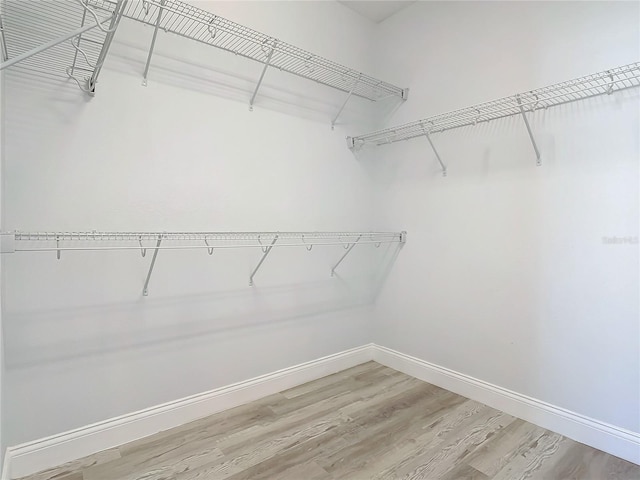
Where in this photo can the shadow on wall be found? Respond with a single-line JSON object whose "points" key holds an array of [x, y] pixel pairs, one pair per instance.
{"points": [[135, 329], [499, 146], [46, 336], [279, 92]]}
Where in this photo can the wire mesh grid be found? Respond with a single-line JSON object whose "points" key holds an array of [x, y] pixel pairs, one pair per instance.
{"points": [[200, 25], [47, 241], [29, 24], [602, 83]]}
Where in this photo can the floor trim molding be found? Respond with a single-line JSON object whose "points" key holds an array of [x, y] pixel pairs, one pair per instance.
{"points": [[603, 436], [38, 455], [6, 465]]}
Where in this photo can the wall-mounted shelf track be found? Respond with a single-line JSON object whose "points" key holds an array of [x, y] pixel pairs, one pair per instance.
{"points": [[601, 83], [58, 242], [66, 38], [202, 26]]}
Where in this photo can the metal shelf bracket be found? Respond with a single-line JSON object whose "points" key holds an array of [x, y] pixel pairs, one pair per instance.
{"points": [[266, 251], [351, 143], [344, 104], [115, 22], [333, 270], [264, 70], [526, 122], [442, 165], [145, 290], [153, 43], [3, 43]]}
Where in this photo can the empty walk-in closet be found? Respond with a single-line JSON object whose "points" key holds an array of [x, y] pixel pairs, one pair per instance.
{"points": [[319, 240]]}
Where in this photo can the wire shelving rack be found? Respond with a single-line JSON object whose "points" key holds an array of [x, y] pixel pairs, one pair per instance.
{"points": [[64, 38], [29, 27], [202, 26], [601, 83], [57, 242]]}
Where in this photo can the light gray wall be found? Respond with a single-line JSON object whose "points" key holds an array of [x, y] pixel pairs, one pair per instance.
{"points": [[505, 276], [184, 153], [2, 362]]}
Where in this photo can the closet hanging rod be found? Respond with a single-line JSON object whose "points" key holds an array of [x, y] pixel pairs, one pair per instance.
{"points": [[174, 16], [601, 83], [192, 247]]}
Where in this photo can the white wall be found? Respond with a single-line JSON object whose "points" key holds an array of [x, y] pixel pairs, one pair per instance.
{"points": [[82, 344], [2, 144], [506, 277]]}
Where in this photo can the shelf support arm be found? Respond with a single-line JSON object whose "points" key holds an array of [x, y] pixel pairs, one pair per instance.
{"points": [[526, 122], [335, 119], [264, 256], [153, 43], [333, 270], [145, 290], [77, 45], [264, 70], [3, 42], [117, 15], [442, 165]]}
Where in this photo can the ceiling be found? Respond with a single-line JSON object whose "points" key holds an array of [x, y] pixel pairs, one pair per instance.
{"points": [[376, 11]]}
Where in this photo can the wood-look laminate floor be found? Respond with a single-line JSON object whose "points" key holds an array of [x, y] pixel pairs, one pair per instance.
{"points": [[368, 422]]}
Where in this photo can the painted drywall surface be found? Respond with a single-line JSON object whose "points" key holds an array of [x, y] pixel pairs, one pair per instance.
{"points": [[506, 276], [184, 153], [2, 405]]}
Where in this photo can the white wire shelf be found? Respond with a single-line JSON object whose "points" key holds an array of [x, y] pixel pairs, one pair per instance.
{"points": [[602, 83], [37, 241], [62, 38], [12, 242], [202, 26]]}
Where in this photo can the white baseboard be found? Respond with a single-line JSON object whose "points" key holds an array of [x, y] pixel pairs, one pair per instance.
{"points": [[48, 452], [56, 450], [603, 436], [6, 465]]}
